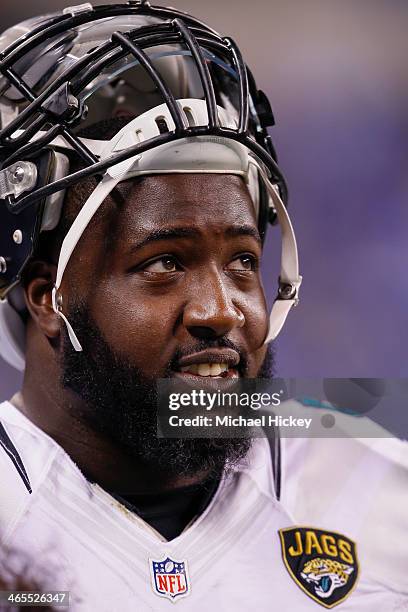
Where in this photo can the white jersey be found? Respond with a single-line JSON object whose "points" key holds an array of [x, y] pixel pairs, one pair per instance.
{"points": [[356, 485], [243, 553]]}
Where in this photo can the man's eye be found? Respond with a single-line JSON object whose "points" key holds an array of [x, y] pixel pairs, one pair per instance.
{"points": [[243, 263], [163, 265]]}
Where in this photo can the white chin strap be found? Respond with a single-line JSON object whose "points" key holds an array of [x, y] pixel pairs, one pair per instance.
{"points": [[203, 154], [289, 279]]}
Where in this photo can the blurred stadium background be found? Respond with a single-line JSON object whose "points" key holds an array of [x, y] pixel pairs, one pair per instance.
{"points": [[336, 75]]}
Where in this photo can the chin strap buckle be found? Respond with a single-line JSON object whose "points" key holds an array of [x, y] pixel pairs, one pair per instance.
{"points": [[289, 291]]}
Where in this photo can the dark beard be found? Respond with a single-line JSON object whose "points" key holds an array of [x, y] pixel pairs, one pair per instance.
{"points": [[121, 403]]}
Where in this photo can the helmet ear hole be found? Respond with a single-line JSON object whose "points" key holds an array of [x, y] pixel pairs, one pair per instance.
{"points": [[162, 125], [189, 116]]}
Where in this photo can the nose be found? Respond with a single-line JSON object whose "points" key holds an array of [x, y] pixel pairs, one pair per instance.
{"points": [[211, 312]]}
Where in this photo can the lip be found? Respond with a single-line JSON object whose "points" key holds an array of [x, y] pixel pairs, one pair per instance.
{"points": [[222, 355], [231, 374]]}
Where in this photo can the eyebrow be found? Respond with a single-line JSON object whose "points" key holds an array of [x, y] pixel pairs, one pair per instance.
{"points": [[171, 233], [244, 230]]}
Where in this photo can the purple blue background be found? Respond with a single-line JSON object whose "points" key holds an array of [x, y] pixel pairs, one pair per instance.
{"points": [[336, 73]]}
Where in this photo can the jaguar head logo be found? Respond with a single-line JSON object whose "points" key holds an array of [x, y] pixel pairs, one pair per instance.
{"points": [[326, 575]]}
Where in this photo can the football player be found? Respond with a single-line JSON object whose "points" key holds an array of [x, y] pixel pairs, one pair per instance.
{"points": [[136, 185]]}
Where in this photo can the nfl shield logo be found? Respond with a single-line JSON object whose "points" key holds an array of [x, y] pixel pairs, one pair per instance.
{"points": [[170, 578]]}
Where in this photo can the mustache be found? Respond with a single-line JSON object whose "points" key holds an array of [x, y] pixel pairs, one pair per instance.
{"points": [[202, 345]]}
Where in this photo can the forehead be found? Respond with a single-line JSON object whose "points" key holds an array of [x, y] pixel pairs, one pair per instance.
{"points": [[209, 202]]}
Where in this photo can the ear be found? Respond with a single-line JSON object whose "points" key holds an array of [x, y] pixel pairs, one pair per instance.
{"points": [[39, 282]]}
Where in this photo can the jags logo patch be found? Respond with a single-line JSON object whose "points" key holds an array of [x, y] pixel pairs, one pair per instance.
{"points": [[322, 563]]}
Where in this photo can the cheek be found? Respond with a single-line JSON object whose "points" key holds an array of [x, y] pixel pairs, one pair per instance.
{"points": [[256, 314], [256, 328], [136, 328]]}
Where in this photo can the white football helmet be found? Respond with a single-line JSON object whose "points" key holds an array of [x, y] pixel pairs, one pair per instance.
{"points": [[192, 106]]}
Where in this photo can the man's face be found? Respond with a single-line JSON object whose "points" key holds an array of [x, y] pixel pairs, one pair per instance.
{"points": [[183, 269], [168, 286]]}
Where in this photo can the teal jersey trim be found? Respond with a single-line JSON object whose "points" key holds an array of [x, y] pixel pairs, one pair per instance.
{"points": [[310, 402]]}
